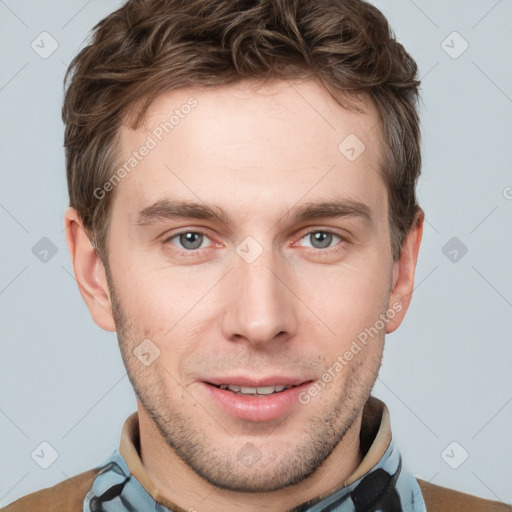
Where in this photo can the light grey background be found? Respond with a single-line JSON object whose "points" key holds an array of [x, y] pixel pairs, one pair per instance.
{"points": [[446, 374]]}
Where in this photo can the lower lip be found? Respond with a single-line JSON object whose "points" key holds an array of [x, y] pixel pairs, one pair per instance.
{"points": [[256, 408]]}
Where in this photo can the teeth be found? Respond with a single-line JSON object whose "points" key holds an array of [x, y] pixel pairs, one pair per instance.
{"points": [[267, 390], [263, 390], [247, 391]]}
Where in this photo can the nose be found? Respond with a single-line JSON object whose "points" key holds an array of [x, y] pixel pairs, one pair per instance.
{"points": [[262, 305]]}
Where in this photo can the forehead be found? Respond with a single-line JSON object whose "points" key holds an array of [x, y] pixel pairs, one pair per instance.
{"points": [[248, 143]]}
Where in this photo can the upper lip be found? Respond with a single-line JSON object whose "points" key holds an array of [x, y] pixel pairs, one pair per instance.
{"points": [[257, 382]]}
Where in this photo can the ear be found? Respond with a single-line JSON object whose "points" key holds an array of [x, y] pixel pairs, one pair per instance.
{"points": [[89, 271], [403, 274]]}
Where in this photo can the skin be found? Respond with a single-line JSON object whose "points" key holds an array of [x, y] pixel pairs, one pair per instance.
{"points": [[256, 152]]}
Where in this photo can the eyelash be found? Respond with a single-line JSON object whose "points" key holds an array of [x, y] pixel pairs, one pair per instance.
{"points": [[199, 251]]}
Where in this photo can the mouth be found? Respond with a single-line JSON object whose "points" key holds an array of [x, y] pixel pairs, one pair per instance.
{"points": [[255, 400], [254, 391]]}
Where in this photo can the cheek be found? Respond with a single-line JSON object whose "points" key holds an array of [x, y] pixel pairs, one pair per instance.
{"points": [[153, 293], [169, 309], [349, 303], [347, 295]]}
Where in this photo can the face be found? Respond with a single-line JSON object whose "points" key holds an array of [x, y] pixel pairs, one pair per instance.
{"points": [[246, 249]]}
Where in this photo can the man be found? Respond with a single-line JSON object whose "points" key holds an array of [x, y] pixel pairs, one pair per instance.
{"points": [[243, 214]]}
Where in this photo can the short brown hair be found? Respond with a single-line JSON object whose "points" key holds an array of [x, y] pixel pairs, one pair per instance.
{"points": [[148, 47]]}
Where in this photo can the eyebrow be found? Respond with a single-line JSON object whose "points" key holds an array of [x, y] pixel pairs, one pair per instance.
{"points": [[172, 209], [167, 209], [333, 209]]}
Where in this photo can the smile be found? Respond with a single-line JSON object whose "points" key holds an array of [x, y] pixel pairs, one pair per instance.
{"points": [[254, 401], [253, 391]]}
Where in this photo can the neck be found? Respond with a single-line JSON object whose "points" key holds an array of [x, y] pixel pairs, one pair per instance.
{"points": [[180, 486]]}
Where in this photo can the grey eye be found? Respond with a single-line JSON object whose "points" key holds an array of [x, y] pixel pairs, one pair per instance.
{"points": [[190, 239], [320, 239]]}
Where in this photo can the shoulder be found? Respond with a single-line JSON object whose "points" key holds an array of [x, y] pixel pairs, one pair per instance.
{"points": [[67, 495], [441, 499]]}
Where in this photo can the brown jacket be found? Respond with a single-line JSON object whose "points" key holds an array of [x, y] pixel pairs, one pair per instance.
{"points": [[68, 496]]}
